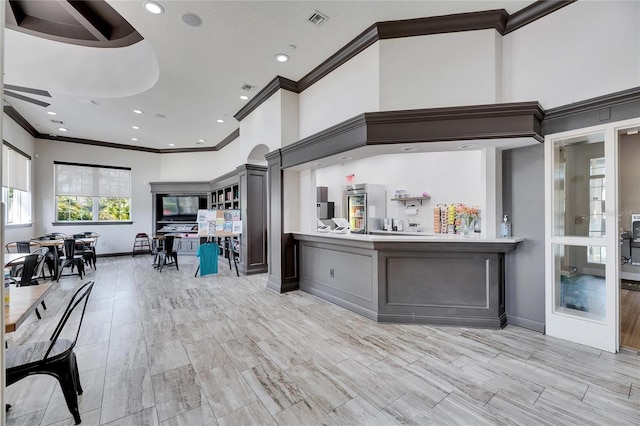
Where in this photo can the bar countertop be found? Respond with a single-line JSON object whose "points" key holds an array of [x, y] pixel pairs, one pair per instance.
{"points": [[408, 237]]}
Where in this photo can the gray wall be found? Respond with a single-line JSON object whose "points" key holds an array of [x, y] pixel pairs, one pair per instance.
{"points": [[523, 201]]}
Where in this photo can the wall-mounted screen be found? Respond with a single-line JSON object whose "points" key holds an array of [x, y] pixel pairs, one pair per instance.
{"points": [[181, 205]]}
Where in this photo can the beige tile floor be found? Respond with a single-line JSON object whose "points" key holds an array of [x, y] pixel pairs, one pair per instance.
{"points": [[170, 349]]}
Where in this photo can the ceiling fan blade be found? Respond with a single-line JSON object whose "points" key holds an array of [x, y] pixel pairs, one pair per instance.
{"points": [[26, 99], [27, 90]]}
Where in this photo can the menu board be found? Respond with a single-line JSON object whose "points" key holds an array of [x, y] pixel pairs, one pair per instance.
{"points": [[219, 223]]}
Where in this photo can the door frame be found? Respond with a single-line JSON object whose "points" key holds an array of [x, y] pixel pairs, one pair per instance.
{"points": [[605, 334]]}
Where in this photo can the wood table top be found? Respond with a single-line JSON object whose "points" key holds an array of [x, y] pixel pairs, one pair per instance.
{"points": [[23, 301]]}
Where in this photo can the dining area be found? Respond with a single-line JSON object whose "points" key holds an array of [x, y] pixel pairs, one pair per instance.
{"points": [[32, 267]]}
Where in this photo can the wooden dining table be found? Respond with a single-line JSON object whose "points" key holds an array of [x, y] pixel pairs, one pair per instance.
{"points": [[22, 302]]}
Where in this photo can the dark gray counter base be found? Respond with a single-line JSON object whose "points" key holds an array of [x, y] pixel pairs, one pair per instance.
{"points": [[458, 283]]}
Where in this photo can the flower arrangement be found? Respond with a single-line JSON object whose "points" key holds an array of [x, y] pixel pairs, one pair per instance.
{"points": [[467, 215]]}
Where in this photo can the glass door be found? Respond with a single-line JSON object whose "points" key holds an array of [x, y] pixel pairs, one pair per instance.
{"points": [[357, 213], [582, 241]]}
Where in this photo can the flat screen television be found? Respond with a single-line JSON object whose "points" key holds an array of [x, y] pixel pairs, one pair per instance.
{"points": [[184, 207]]}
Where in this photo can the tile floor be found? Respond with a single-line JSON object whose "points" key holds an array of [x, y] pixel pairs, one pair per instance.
{"points": [[171, 349]]}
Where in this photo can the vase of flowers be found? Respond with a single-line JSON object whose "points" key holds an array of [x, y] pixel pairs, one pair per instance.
{"points": [[468, 215]]}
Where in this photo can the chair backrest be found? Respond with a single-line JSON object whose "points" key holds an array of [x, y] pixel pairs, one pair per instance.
{"points": [[69, 248], [23, 246], [42, 257], [168, 243], [29, 267], [81, 296]]}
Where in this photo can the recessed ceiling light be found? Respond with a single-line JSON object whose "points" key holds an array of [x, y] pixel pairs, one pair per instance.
{"points": [[244, 97], [63, 129], [134, 139], [409, 148], [135, 127], [281, 57], [153, 7], [632, 131], [138, 111], [344, 158], [52, 113], [468, 145], [172, 144], [201, 140], [220, 120], [192, 19]]}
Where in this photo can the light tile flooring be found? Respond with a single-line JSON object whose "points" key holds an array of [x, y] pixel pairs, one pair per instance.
{"points": [[173, 349]]}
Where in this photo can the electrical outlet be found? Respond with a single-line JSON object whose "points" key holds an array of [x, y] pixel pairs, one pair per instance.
{"points": [[331, 273]]}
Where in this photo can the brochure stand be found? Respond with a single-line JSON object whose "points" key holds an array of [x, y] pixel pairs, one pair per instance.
{"points": [[219, 224]]}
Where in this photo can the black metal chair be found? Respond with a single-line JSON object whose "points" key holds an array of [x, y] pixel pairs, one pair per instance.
{"points": [[31, 272], [168, 256], [71, 258], [54, 357], [87, 250]]}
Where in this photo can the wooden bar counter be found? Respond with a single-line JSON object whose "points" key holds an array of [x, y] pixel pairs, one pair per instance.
{"points": [[426, 279]]}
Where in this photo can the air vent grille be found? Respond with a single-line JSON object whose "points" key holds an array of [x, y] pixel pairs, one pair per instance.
{"points": [[57, 121], [317, 18], [248, 87]]}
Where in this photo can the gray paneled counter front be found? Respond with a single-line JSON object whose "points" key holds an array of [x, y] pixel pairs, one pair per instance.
{"points": [[437, 279]]}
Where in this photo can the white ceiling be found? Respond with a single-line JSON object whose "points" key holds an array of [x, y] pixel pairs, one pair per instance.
{"points": [[191, 76]]}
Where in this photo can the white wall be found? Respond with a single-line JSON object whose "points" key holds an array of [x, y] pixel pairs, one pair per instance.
{"points": [[439, 70], [189, 166], [22, 140], [145, 168], [349, 90], [448, 177], [584, 50]]}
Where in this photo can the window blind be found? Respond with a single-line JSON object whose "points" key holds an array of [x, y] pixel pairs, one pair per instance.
{"points": [[15, 169], [92, 181]]}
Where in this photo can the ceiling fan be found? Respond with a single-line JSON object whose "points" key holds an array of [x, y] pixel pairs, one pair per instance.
{"points": [[8, 92]]}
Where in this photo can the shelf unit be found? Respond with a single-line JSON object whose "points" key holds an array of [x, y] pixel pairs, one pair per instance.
{"points": [[227, 198], [404, 200], [245, 189]]}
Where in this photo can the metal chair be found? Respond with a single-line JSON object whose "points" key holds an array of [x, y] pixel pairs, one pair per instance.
{"points": [[70, 257], [30, 273], [168, 256], [54, 357], [87, 250]]}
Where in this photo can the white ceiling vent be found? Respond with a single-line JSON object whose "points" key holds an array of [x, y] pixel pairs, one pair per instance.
{"points": [[317, 18], [248, 87]]}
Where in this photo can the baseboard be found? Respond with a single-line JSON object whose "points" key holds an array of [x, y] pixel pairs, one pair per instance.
{"points": [[526, 323], [274, 283], [631, 276]]}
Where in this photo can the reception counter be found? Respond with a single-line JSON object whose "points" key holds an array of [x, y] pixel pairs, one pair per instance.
{"points": [[429, 278]]}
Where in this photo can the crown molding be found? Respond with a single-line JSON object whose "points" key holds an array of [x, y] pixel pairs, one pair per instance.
{"points": [[491, 121], [20, 120], [272, 87], [533, 12], [499, 20], [612, 107]]}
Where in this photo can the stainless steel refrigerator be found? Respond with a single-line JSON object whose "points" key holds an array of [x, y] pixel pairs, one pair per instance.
{"points": [[365, 207]]}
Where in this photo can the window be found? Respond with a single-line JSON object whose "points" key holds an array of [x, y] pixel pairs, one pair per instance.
{"points": [[87, 192], [16, 185]]}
